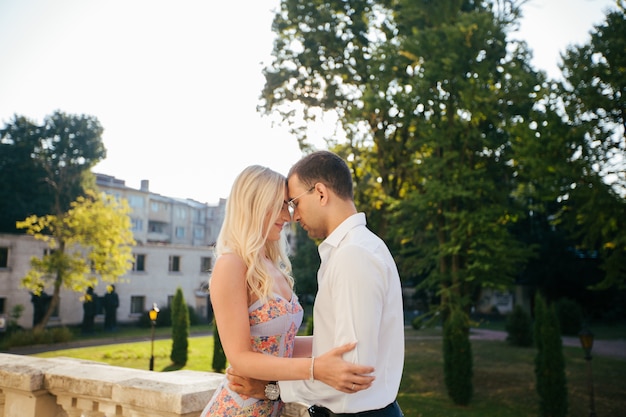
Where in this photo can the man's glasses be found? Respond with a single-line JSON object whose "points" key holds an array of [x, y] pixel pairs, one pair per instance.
{"points": [[292, 203]]}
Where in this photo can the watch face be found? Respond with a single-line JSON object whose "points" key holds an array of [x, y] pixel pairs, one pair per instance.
{"points": [[272, 391]]}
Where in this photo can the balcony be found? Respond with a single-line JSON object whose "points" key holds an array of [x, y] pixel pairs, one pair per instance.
{"points": [[64, 387]]}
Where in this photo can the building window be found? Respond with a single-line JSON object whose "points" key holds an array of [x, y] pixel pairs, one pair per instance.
{"points": [[205, 264], [154, 206], [4, 257], [137, 225], [180, 232], [137, 304], [139, 265], [135, 201], [174, 264], [180, 212], [198, 233], [2, 301], [198, 216]]}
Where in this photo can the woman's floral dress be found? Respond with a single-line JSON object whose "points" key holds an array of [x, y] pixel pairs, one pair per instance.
{"points": [[273, 328]]}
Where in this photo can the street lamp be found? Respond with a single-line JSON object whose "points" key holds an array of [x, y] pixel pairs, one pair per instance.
{"points": [[153, 317], [586, 341]]}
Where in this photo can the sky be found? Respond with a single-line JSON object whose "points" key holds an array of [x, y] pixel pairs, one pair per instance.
{"points": [[175, 84]]}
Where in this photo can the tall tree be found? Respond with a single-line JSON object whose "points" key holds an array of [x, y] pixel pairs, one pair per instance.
{"points": [[92, 241], [428, 95], [180, 329], [551, 382], [24, 190], [305, 263], [44, 167], [594, 93]]}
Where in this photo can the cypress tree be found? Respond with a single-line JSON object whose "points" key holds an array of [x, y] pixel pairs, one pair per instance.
{"points": [[519, 328], [219, 357], [457, 354], [549, 362], [180, 329]]}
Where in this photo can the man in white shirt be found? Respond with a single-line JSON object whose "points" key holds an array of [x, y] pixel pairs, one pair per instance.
{"points": [[359, 296]]}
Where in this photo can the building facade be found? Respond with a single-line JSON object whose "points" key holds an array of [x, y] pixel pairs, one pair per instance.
{"points": [[175, 241]]}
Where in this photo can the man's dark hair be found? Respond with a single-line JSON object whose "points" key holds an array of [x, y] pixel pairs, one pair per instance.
{"points": [[327, 168]]}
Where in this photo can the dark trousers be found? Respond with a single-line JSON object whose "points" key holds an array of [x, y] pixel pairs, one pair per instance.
{"points": [[392, 410]]}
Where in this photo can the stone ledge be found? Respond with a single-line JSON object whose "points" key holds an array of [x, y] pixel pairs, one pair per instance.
{"points": [[74, 381]]}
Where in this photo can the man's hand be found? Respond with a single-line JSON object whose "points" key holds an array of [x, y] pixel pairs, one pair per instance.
{"points": [[246, 386]]}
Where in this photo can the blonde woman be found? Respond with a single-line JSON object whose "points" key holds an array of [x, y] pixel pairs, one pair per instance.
{"points": [[256, 310]]}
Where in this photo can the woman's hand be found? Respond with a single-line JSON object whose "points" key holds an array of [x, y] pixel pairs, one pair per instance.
{"points": [[333, 370]]}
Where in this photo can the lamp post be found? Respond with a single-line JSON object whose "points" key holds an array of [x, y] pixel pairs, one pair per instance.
{"points": [[586, 341], [153, 317]]}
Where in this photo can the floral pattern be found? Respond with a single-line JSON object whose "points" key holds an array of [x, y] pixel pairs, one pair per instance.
{"points": [[273, 329], [225, 404]]}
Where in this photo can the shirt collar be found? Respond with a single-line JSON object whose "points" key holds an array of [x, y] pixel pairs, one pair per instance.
{"points": [[342, 230]]}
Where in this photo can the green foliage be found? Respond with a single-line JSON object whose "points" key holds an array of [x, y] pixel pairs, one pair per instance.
{"points": [[180, 329], [44, 167], [596, 188], [219, 357], [309, 326], [418, 322], [551, 382], [457, 355], [570, 316], [519, 327], [304, 264], [92, 241], [14, 317], [38, 337]]}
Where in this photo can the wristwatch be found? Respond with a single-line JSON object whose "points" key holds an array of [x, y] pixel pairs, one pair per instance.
{"points": [[272, 391]]}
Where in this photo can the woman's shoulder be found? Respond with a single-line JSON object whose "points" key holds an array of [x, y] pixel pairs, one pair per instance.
{"points": [[229, 259]]}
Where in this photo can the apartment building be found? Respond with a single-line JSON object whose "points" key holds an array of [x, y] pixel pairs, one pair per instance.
{"points": [[175, 240]]}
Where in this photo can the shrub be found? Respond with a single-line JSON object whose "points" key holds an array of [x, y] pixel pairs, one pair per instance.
{"points": [[309, 326], [41, 337], [180, 329], [570, 316], [551, 383], [457, 356], [519, 328], [219, 357], [418, 322]]}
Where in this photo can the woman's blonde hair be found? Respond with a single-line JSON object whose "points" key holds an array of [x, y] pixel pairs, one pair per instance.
{"points": [[256, 200]]}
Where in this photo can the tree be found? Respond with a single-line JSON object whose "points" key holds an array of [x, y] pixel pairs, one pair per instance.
{"points": [[219, 357], [92, 241], [595, 101], [24, 190], [519, 327], [44, 167], [429, 96], [458, 361], [549, 362], [180, 329], [305, 263]]}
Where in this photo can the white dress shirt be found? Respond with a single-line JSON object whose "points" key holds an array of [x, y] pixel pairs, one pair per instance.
{"points": [[359, 299]]}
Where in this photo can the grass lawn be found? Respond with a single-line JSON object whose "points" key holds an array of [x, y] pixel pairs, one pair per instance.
{"points": [[504, 382]]}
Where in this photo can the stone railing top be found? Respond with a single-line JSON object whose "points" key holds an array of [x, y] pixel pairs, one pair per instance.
{"points": [[177, 392]]}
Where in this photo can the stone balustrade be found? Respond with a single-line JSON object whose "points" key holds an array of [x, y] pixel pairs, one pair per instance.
{"points": [[65, 387]]}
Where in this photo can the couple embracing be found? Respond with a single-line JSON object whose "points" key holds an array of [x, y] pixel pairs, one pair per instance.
{"points": [[352, 365]]}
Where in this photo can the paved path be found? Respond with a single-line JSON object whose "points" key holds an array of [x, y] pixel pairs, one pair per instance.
{"points": [[610, 348]]}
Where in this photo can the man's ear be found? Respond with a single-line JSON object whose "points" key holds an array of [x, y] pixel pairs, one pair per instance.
{"points": [[323, 193]]}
